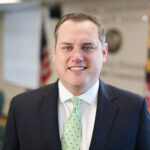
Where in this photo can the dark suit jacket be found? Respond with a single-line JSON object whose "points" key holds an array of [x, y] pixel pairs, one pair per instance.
{"points": [[122, 121]]}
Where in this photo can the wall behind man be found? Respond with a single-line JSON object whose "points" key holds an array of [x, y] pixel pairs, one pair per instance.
{"points": [[131, 56], [126, 67]]}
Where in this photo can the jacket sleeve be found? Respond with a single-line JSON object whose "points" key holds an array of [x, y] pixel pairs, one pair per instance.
{"points": [[143, 138], [10, 141]]}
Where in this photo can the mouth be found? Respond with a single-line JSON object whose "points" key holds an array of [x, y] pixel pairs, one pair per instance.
{"points": [[77, 68]]}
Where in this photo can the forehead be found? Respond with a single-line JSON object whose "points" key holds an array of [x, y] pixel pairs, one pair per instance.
{"points": [[71, 27], [73, 24]]}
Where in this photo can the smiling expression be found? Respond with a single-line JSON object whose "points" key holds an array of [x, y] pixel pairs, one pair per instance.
{"points": [[78, 55]]}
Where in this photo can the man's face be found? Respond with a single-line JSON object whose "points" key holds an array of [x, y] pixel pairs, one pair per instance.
{"points": [[78, 55]]}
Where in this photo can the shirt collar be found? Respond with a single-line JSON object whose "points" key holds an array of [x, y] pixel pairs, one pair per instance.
{"points": [[90, 96]]}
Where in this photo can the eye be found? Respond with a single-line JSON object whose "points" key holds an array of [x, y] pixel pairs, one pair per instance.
{"points": [[67, 48], [88, 47]]}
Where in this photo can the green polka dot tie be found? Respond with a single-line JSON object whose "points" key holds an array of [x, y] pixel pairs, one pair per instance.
{"points": [[72, 130]]}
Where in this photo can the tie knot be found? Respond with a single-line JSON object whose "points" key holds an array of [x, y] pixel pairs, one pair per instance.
{"points": [[76, 101]]}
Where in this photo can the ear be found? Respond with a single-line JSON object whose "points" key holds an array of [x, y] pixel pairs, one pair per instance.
{"points": [[105, 52], [54, 52]]}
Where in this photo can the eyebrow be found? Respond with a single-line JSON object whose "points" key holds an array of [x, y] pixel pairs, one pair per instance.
{"points": [[88, 44], [67, 43]]}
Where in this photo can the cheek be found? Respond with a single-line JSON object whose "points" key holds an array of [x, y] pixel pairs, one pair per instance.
{"points": [[97, 58], [60, 62], [97, 62]]}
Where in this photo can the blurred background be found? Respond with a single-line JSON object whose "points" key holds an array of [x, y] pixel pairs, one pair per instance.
{"points": [[26, 44]]}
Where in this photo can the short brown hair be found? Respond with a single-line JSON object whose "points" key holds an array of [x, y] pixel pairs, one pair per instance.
{"points": [[79, 17]]}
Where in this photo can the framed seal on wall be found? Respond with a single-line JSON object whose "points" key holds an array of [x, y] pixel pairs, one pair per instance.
{"points": [[114, 40]]}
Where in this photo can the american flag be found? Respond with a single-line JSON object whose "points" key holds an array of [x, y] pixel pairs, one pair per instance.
{"points": [[147, 91], [45, 71]]}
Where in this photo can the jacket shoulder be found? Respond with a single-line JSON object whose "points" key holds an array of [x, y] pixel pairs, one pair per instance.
{"points": [[122, 96], [125, 93], [35, 95]]}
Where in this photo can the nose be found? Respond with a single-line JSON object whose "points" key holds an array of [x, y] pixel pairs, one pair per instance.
{"points": [[77, 55]]}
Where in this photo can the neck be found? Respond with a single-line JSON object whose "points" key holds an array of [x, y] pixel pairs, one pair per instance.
{"points": [[77, 90]]}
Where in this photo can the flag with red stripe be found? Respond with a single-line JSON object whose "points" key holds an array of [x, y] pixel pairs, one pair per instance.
{"points": [[147, 91], [45, 71]]}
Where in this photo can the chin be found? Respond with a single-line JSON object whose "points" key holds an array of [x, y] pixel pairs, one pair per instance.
{"points": [[79, 85], [78, 82]]}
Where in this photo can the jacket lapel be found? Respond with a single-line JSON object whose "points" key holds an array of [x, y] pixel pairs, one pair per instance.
{"points": [[105, 116], [49, 117]]}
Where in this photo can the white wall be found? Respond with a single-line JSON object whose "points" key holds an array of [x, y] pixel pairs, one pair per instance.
{"points": [[30, 43], [8, 89], [21, 47]]}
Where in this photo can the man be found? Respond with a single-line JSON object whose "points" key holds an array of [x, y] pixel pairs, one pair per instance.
{"points": [[107, 118]]}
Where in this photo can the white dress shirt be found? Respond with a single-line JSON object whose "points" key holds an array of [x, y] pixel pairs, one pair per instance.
{"points": [[87, 109]]}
